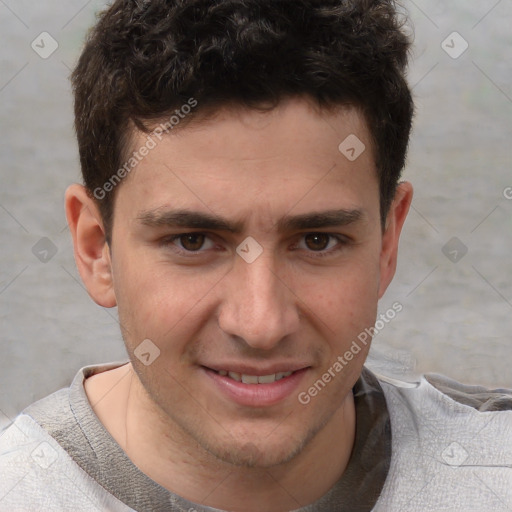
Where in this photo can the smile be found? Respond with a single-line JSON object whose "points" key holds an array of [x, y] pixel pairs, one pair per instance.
{"points": [[253, 390], [254, 379]]}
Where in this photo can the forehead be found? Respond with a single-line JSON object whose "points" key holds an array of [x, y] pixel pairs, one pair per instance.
{"points": [[290, 157]]}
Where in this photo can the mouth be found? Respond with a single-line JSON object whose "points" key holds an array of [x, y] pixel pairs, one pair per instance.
{"points": [[254, 379], [251, 387]]}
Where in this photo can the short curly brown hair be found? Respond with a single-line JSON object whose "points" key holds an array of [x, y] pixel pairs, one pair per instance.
{"points": [[143, 60]]}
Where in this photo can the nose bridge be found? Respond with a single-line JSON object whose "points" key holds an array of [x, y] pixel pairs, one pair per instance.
{"points": [[258, 306], [261, 286]]}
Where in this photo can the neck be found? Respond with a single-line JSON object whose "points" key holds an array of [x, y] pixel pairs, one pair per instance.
{"points": [[169, 456]]}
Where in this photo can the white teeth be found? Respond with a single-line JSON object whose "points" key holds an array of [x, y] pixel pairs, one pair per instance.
{"points": [[267, 379], [249, 379], [255, 379]]}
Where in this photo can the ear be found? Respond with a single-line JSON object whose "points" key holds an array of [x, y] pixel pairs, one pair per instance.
{"points": [[92, 253], [390, 238]]}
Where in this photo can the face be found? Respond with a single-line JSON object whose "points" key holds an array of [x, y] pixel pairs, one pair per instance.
{"points": [[247, 247]]}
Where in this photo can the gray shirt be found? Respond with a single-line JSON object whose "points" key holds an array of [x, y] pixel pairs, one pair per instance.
{"points": [[59, 456]]}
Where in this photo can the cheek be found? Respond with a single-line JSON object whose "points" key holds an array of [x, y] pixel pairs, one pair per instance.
{"points": [[157, 301], [344, 299]]}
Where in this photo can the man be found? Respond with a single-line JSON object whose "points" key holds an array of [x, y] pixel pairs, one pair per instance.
{"points": [[242, 209]]}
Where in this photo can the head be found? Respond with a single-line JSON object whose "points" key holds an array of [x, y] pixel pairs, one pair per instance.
{"points": [[243, 108], [145, 60]]}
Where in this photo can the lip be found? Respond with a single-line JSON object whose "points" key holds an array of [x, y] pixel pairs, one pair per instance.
{"points": [[256, 395], [253, 370]]}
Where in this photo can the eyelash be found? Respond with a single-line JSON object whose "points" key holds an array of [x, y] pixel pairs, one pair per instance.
{"points": [[342, 242]]}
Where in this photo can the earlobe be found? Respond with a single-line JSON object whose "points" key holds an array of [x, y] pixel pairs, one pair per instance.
{"points": [[92, 254], [391, 236]]}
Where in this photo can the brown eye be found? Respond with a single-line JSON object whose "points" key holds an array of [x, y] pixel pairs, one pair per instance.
{"points": [[317, 241], [192, 241]]}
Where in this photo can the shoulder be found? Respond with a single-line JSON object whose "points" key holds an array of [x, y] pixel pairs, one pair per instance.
{"points": [[39, 453], [28, 452], [20, 438], [451, 446], [436, 408], [440, 397], [478, 397], [38, 474]]}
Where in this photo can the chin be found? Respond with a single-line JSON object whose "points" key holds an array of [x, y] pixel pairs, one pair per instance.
{"points": [[259, 451], [251, 456]]}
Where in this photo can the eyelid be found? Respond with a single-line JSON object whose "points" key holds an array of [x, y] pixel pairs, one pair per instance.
{"points": [[342, 240], [170, 239]]}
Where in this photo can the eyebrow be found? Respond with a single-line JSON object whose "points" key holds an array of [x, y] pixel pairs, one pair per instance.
{"points": [[200, 220]]}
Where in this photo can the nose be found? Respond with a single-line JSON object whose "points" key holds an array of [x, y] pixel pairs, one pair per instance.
{"points": [[258, 305]]}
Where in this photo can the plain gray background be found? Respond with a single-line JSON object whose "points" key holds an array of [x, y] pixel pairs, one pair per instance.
{"points": [[457, 307]]}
